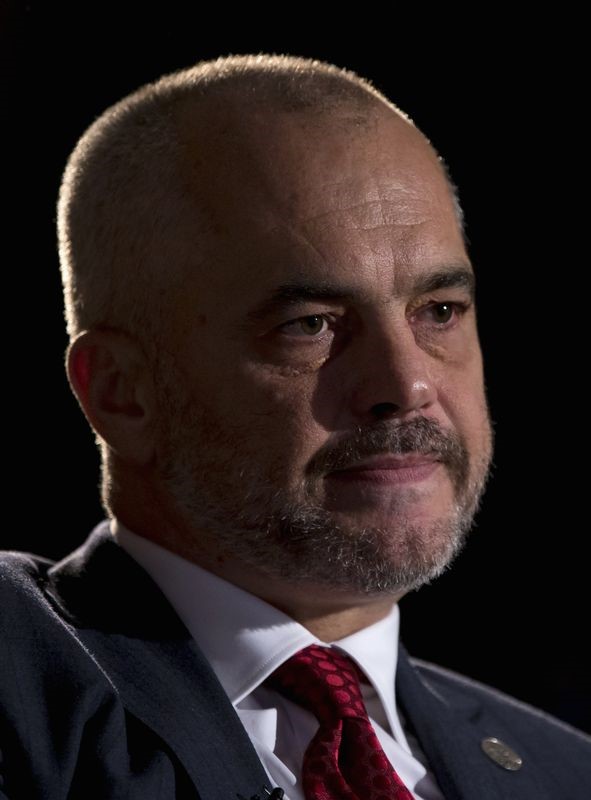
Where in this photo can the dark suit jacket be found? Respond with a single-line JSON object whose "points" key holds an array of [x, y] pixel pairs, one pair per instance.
{"points": [[103, 694]]}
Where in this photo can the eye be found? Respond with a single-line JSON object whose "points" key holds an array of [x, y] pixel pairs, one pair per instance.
{"points": [[442, 315], [443, 312], [309, 327]]}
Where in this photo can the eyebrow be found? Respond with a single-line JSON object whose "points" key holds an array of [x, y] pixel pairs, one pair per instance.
{"points": [[297, 293]]}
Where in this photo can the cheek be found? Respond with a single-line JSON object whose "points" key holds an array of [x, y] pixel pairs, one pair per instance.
{"points": [[280, 409], [472, 420], [260, 414], [462, 396]]}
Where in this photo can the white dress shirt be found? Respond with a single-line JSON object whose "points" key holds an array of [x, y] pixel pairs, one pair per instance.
{"points": [[245, 639]]}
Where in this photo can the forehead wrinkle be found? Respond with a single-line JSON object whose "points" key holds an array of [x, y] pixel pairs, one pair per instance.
{"points": [[373, 216], [384, 204]]}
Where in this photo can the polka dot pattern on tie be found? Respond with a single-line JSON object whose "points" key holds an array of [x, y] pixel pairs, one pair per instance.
{"points": [[344, 760]]}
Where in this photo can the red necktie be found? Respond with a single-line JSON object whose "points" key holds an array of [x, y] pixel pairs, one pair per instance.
{"points": [[344, 760]]}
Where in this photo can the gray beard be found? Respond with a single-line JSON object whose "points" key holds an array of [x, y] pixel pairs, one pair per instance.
{"points": [[303, 544], [287, 534]]}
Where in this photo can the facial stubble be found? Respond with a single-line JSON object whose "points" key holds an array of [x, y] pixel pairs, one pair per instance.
{"points": [[219, 487]]}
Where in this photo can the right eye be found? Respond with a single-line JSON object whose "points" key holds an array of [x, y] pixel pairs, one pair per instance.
{"points": [[306, 327]]}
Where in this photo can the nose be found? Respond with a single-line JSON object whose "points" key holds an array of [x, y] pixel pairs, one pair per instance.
{"points": [[393, 376]]}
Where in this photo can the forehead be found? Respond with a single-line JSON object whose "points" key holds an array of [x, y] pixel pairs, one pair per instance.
{"points": [[307, 199]]}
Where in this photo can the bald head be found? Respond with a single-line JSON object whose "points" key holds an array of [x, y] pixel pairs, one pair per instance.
{"points": [[145, 193]]}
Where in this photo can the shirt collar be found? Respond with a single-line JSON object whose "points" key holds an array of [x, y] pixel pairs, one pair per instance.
{"points": [[226, 620]]}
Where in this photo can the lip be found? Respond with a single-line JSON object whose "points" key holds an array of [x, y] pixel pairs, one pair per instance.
{"points": [[389, 469]]}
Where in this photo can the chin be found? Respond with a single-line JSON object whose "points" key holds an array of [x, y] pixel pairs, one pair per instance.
{"points": [[394, 512]]}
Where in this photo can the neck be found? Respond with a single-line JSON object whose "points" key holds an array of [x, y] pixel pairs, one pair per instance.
{"points": [[332, 625]]}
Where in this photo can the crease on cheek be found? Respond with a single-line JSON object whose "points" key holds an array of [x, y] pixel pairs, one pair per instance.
{"points": [[296, 370], [457, 355]]}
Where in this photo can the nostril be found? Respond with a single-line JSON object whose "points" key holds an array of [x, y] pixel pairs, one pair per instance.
{"points": [[384, 409]]}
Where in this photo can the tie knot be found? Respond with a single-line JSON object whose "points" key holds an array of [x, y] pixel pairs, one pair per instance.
{"points": [[322, 680]]}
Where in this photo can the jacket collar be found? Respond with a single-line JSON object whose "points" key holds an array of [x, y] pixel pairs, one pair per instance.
{"points": [[155, 666]]}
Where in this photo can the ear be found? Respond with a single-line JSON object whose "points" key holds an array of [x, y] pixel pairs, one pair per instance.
{"points": [[111, 379]]}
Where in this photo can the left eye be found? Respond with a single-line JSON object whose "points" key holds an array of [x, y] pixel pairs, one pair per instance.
{"points": [[442, 312], [441, 315], [307, 326]]}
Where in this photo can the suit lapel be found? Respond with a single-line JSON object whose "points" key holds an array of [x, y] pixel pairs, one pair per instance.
{"points": [[450, 728], [157, 669]]}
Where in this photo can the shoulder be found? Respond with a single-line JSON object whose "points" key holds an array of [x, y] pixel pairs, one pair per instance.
{"points": [[496, 705], [22, 577], [51, 687], [34, 633], [27, 607], [20, 568]]}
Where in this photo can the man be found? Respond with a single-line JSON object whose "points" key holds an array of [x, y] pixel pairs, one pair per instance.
{"points": [[273, 336]]}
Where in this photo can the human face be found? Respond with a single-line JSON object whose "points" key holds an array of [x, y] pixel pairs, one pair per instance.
{"points": [[323, 416]]}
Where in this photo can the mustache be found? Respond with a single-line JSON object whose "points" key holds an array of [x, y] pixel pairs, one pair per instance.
{"points": [[420, 435]]}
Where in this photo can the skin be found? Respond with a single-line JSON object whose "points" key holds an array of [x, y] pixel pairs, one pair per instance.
{"points": [[307, 201]]}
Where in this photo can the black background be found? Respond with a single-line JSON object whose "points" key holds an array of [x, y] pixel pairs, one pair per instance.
{"points": [[498, 97]]}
